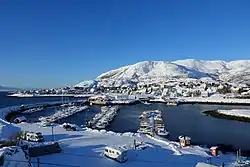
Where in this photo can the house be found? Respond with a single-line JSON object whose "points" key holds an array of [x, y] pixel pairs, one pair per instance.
{"points": [[20, 119], [185, 141]]}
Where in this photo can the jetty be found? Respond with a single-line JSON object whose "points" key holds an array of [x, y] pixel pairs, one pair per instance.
{"points": [[63, 113], [104, 118]]}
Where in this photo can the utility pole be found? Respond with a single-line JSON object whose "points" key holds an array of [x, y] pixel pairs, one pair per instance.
{"points": [[38, 162], [52, 133]]}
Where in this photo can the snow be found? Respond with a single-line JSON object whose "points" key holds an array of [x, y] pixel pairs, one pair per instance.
{"points": [[215, 99], [13, 157], [87, 84], [86, 147], [7, 130], [156, 71], [236, 112]]}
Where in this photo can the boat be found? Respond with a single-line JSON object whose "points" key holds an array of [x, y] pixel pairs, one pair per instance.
{"points": [[162, 132], [146, 103], [173, 103], [102, 125]]}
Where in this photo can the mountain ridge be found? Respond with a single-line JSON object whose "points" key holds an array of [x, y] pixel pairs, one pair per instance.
{"points": [[237, 71]]}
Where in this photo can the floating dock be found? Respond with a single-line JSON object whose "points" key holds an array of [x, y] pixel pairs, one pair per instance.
{"points": [[104, 118], [63, 113]]}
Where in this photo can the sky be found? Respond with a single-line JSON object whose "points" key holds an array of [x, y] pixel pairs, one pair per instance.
{"points": [[53, 43]]}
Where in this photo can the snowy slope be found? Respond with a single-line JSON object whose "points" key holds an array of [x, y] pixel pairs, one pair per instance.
{"points": [[234, 71], [87, 84], [84, 148], [152, 69]]}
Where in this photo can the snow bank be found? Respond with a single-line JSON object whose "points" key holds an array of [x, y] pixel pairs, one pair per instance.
{"points": [[215, 99], [8, 130], [236, 112], [14, 157]]}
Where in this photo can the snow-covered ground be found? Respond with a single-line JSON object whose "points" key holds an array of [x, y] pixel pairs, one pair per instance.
{"points": [[84, 148], [236, 112], [215, 99]]}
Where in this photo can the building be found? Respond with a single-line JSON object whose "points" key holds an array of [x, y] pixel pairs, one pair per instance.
{"points": [[185, 141]]}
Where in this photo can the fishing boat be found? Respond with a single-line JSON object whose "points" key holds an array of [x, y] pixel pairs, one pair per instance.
{"points": [[172, 103]]}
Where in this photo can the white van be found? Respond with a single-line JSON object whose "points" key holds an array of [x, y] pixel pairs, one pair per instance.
{"points": [[116, 153]]}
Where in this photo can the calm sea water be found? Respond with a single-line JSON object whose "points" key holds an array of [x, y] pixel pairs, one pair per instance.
{"points": [[179, 120]]}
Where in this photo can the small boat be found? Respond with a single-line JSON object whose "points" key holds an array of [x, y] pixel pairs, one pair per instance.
{"points": [[146, 103], [172, 103], [162, 132]]}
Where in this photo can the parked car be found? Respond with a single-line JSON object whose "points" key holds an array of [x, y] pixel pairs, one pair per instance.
{"points": [[32, 136]]}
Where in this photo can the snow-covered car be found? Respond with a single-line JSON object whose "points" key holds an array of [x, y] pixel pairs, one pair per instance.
{"points": [[69, 127], [32, 136]]}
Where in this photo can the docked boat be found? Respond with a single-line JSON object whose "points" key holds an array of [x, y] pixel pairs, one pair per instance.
{"points": [[146, 103], [152, 123], [162, 132], [172, 103]]}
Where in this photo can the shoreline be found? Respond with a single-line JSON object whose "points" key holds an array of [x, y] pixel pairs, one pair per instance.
{"points": [[48, 95], [216, 114], [225, 149], [214, 100]]}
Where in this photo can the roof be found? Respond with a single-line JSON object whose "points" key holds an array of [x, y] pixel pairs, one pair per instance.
{"points": [[118, 148], [22, 118], [201, 164]]}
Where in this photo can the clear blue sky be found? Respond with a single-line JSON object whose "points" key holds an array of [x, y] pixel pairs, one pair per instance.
{"points": [[52, 43]]}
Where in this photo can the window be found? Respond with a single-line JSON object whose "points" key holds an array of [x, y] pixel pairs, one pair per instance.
{"points": [[106, 150]]}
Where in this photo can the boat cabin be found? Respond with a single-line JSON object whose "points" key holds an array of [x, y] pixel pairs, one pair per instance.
{"points": [[116, 153], [18, 120], [185, 141]]}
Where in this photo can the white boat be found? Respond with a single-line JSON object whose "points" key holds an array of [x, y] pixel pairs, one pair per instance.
{"points": [[146, 103], [162, 132], [102, 125]]}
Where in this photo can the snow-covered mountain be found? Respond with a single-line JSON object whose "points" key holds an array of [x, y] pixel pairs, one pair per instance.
{"points": [[234, 71]]}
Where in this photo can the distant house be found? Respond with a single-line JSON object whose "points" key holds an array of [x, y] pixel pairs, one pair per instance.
{"points": [[20, 119]]}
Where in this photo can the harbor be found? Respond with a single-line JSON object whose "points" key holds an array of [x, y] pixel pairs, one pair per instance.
{"points": [[104, 118]]}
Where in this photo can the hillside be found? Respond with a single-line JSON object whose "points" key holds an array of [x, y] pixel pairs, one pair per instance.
{"points": [[234, 71]]}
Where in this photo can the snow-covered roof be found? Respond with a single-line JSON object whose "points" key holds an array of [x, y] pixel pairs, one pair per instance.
{"points": [[118, 148], [201, 164], [21, 118]]}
